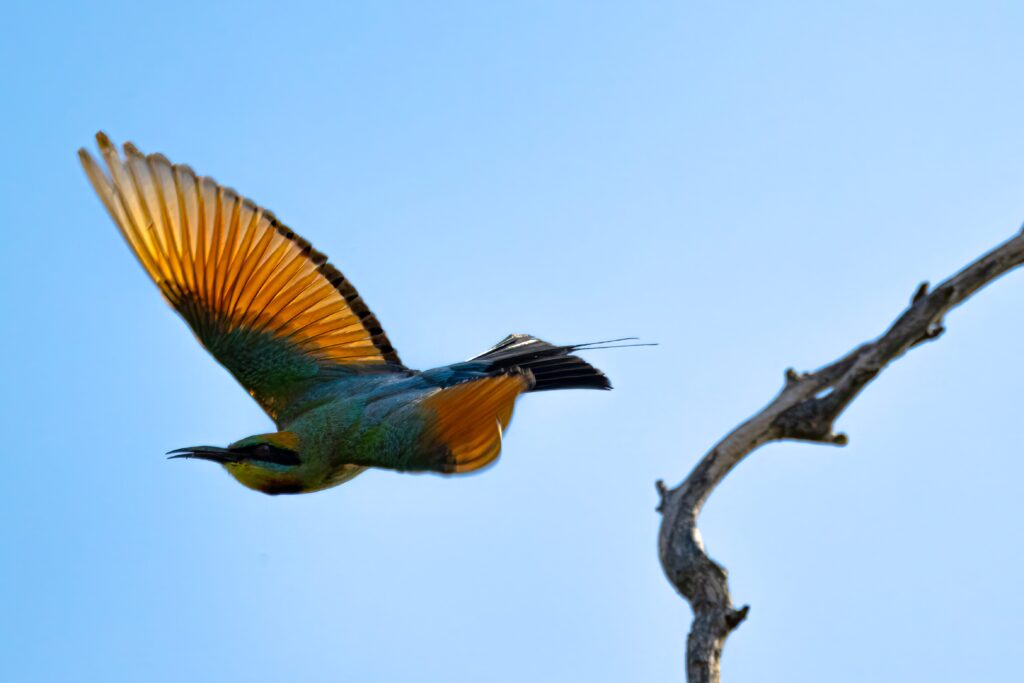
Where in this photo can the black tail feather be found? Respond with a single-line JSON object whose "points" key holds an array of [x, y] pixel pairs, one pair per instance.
{"points": [[553, 367]]}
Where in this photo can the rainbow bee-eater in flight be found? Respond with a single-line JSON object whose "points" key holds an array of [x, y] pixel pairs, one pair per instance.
{"points": [[296, 335]]}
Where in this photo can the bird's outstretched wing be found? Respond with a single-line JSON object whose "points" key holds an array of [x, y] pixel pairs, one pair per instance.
{"points": [[268, 306]]}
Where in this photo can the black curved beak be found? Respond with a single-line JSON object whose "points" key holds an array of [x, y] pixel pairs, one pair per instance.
{"points": [[211, 453]]}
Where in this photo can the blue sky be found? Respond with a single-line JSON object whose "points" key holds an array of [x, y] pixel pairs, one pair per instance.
{"points": [[754, 186]]}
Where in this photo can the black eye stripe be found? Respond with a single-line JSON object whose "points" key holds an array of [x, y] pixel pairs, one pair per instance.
{"points": [[265, 452]]}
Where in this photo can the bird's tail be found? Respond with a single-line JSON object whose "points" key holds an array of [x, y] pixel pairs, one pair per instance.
{"points": [[553, 367]]}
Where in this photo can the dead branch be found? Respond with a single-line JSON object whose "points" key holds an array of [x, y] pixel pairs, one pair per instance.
{"points": [[806, 410]]}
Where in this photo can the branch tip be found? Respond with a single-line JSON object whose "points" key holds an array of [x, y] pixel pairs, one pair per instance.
{"points": [[737, 617], [662, 494], [920, 293], [792, 376]]}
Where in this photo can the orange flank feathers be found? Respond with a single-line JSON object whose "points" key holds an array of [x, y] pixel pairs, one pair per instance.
{"points": [[468, 418]]}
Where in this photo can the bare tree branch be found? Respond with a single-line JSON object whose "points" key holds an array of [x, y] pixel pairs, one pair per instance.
{"points": [[806, 410]]}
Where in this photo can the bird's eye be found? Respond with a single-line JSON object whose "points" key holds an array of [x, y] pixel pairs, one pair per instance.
{"points": [[266, 452]]}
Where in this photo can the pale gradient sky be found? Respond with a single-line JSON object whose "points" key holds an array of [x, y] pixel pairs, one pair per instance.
{"points": [[752, 185]]}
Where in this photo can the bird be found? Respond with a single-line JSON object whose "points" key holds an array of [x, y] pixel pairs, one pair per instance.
{"points": [[299, 338]]}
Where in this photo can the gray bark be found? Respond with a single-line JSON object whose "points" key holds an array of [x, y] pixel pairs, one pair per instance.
{"points": [[805, 410]]}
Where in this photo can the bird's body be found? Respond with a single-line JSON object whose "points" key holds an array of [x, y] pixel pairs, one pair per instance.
{"points": [[294, 332], [349, 424]]}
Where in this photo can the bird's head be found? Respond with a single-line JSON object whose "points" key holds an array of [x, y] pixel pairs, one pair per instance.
{"points": [[269, 463]]}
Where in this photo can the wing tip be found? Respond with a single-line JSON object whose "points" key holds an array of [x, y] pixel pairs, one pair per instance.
{"points": [[95, 174]]}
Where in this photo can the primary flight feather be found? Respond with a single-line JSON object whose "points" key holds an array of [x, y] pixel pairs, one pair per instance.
{"points": [[298, 337]]}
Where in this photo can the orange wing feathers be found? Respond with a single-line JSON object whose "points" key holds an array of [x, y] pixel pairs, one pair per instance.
{"points": [[211, 250], [233, 271]]}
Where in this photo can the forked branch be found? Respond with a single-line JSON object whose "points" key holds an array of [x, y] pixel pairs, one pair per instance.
{"points": [[805, 410]]}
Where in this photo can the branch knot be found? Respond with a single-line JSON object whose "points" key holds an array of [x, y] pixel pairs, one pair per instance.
{"points": [[809, 420]]}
